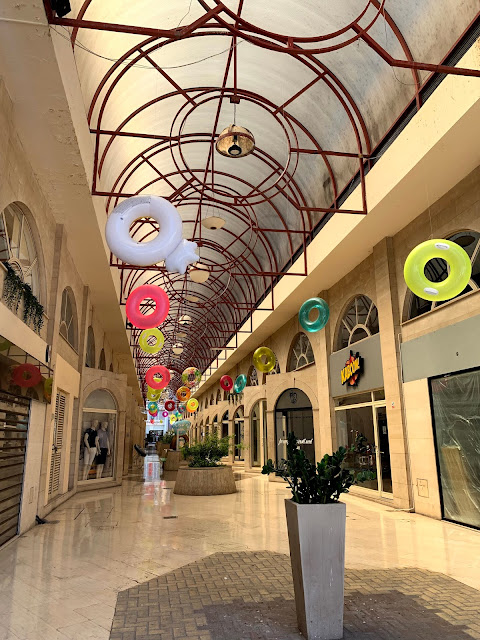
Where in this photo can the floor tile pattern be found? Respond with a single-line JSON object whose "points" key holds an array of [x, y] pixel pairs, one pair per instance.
{"points": [[249, 596]]}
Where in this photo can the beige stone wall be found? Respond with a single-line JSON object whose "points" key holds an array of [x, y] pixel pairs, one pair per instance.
{"points": [[19, 184], [380, 277]]}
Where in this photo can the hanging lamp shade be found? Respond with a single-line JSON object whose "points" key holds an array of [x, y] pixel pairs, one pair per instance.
{"points": [[177, 348], [199, 273], [235, 142], [185, 321], [213, 223]]}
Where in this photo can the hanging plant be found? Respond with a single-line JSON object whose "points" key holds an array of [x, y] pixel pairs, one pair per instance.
{"points": [[32, 309], [14, 289]]}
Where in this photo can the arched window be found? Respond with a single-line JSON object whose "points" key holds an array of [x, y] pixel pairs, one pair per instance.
{"points": [[17, 246], [111, 367], [301, 353], [436, 270], [215, 425], [90, 353], [225, 394], [275, 370], [68, 318], [219, 396], [101, 363], [212, 399], [359, 321], [252, 377]]}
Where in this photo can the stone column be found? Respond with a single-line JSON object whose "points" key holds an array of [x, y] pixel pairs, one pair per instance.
{"points": [[326, 413], [247, 441], [231, 435], [271, 443], [389, 321]]}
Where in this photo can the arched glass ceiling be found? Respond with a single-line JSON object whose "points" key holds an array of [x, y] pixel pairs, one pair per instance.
{"points": [[319, 84]]}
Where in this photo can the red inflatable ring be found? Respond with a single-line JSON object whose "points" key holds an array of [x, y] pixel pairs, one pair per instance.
{"points": [[157, 370], [226, 383], [33, 378], [169, 405], [135, 299]]}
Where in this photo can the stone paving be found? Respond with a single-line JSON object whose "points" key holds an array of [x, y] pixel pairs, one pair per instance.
{"points": [[249, 596]]}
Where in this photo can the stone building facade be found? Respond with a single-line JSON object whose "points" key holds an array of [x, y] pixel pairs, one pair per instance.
{"points": [[407, 346], [74, 345]]}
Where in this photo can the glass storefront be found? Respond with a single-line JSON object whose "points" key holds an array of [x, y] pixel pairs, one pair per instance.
{"points": [[362, 428], [456, 419], [258, 422], [238, 423], [97, 444], [293, 413]]}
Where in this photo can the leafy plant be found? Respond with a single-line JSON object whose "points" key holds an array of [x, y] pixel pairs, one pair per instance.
{"points": [[320, 484], [14, 289], [168, 437], [32, 309], [209, 452]]}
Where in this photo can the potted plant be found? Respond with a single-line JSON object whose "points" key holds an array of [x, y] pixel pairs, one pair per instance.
{"points": [[205, 475], [316, 534]]}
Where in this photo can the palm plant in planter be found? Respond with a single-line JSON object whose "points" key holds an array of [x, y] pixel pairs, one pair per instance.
{"points": [[316, 534]]}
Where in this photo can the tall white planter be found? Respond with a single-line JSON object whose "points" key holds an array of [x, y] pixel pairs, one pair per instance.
{"points": [[316, 534]]}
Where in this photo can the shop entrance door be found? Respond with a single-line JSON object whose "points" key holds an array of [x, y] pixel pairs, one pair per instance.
{"points": [[383, 451], [363, 429], [293, 414]]}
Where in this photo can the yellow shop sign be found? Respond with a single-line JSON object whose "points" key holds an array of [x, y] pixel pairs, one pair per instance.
{"points": [[352, 369]]}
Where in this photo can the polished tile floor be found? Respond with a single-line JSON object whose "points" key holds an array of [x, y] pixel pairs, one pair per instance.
{"points": [[60, 580]]}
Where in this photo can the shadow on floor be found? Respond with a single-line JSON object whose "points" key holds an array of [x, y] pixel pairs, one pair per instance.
{"points": [[249, 596]]}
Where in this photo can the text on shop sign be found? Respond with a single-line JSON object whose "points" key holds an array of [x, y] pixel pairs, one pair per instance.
{"points": [[352, 369]]}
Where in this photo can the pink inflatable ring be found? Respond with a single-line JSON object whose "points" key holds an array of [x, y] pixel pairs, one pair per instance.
{"points": [[135, 299]]}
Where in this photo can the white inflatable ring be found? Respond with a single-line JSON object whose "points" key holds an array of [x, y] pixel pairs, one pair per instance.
{"points": [[143, 254]]}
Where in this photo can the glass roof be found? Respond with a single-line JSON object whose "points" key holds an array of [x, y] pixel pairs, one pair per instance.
{"points": [[319, 84]]}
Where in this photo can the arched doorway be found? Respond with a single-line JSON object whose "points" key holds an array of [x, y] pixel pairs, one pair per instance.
{"points": [[225, 425], [97, 445], [238, 422], [258, 437], [293, 413]]}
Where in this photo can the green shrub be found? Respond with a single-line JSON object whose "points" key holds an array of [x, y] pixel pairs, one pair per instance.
{"points": [[320, 484], [207, 453]]}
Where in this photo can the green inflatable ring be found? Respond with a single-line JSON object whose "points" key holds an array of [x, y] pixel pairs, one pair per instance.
{"points": [[240, 383], [457, 259]]}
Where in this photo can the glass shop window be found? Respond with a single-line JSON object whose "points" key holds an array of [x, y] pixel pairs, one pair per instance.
{"points": [[456, 419], [97, 439]]}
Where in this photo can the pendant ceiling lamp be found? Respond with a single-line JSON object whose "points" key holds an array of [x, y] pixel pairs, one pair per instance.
{"points": [[177, 348], [199, 273], [185, 321], [213, 223], [235, 142]]}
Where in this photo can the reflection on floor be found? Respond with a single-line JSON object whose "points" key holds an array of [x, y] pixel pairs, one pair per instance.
{"points": [[61, 580]]}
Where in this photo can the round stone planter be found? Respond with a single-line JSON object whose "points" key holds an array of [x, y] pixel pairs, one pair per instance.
{"points": [[205, 481], [173, 460]]}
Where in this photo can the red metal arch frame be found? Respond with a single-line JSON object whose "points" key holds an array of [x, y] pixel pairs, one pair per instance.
{"points": [[232, 292]]}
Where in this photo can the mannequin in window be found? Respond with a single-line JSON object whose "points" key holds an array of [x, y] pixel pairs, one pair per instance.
{"points": [[90, 448], [104, 445]]}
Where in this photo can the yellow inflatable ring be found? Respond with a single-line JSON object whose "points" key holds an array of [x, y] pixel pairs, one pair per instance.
{"points": [[264, 359], [145, 335], [153, 394], [457, 259], [192, 405]]}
